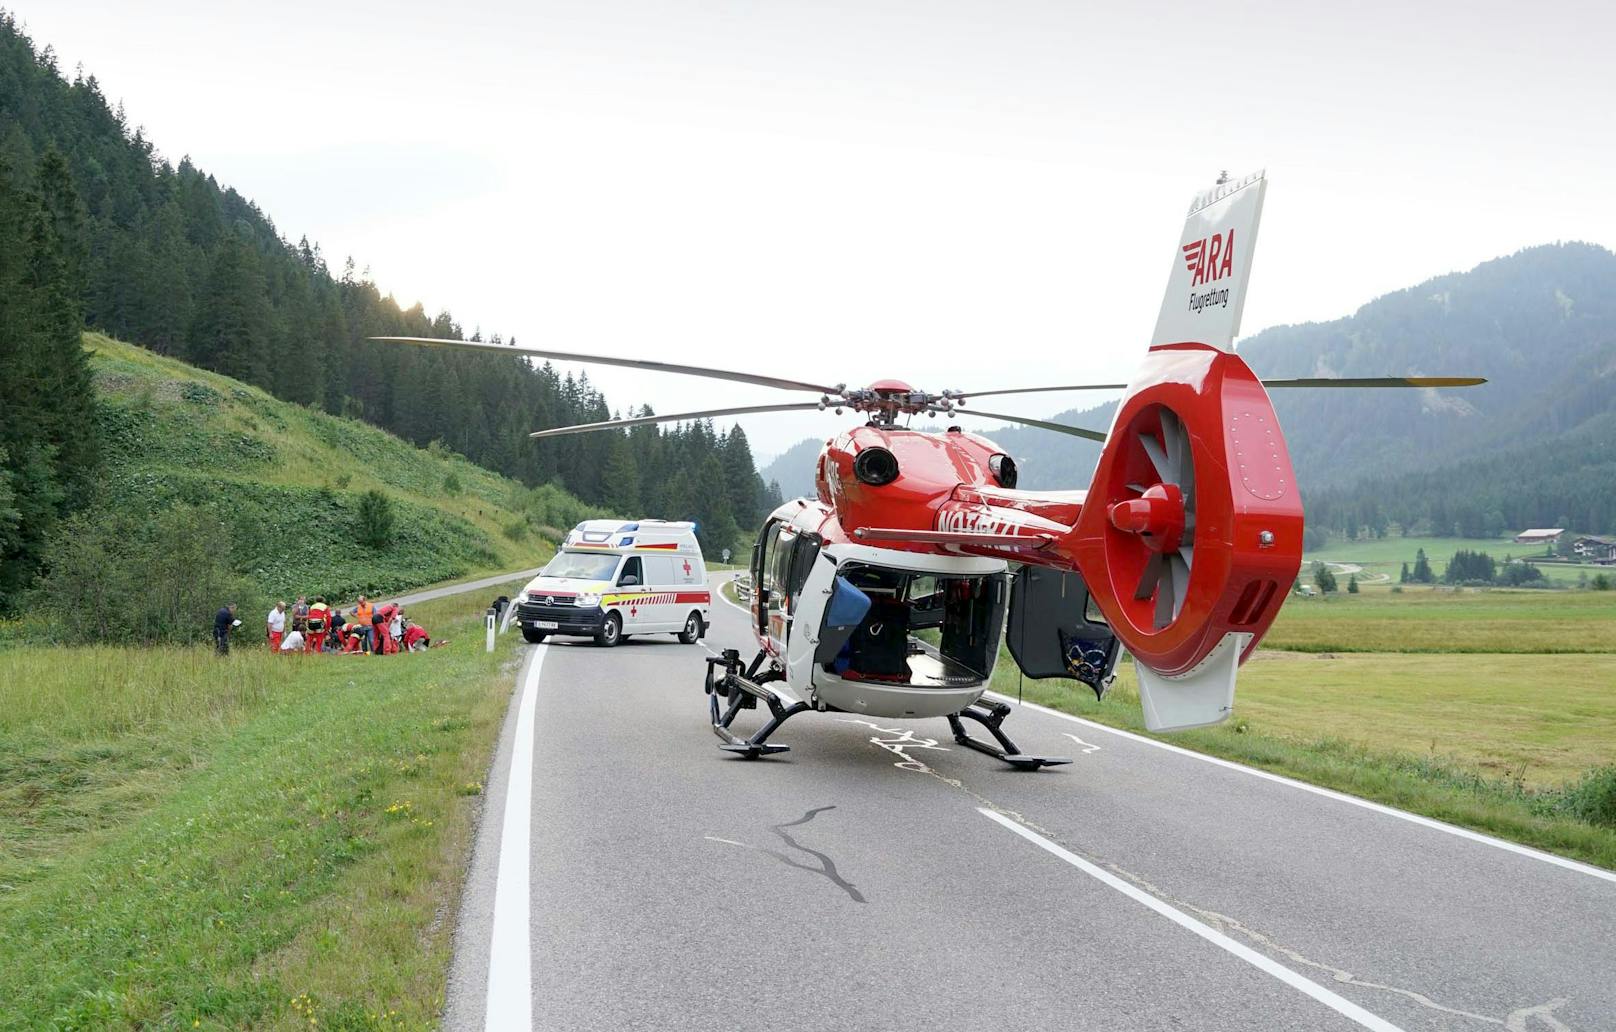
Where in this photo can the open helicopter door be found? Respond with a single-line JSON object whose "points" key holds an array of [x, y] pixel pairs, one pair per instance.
{"points": [[1055, 631], [829, 610]]}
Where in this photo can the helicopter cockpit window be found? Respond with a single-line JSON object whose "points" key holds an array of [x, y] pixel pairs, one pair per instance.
{"points": [[923, 630], [777, 549]]}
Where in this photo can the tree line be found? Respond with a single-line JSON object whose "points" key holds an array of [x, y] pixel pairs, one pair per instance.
{"points": [[103, 231]]}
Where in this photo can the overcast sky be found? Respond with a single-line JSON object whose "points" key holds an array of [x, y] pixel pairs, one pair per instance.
{"points": [[956, 193]]}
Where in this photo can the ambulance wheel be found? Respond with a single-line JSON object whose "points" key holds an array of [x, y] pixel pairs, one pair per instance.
{"points": [[692, 632], [611, 632], [533, 635]]}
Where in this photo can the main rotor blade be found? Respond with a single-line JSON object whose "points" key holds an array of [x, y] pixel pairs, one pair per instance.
{"points": [[629, 363], [1042, 424], [1379, 381], [1040, 390], [677, 417], [1317, 381]]}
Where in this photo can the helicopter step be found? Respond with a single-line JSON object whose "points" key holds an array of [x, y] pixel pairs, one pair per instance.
{"points": [[743, 690], [991, 715]]}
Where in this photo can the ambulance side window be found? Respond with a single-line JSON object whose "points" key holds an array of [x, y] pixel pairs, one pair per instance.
{"points": [[658, 570], [631, 568]]}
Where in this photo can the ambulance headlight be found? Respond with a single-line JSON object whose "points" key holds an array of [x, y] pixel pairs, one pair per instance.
{"points": [[589, 600]]}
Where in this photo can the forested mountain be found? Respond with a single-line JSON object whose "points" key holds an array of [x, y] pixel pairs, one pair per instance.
{"points": [[793, 469], [1533, 447], [106, 233]]}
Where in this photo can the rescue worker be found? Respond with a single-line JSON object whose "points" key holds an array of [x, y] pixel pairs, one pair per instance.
{"points": [[319, 620], [223, 621], [275, 625], [380, 618], [363, 614]]}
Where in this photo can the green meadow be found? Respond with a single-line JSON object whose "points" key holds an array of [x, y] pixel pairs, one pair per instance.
{"points": [[272, 842]]}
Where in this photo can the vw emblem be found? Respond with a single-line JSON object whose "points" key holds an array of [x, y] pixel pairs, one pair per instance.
{"points": [[549, 600]]}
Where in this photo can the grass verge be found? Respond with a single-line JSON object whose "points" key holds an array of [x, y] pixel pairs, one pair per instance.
{"points": [[1576, 818], [258, 841]]}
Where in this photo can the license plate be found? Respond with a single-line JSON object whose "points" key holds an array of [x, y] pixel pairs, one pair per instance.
{"points": [[546, 625]]}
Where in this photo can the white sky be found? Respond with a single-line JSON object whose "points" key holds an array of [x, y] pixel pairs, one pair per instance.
{"points": [[959, 193]]}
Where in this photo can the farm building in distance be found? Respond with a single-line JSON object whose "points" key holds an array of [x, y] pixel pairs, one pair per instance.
{"points": [[1594, 549], [1541, 536]]}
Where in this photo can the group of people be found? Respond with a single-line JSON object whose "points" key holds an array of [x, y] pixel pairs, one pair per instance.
{"points": [[366, 629]]}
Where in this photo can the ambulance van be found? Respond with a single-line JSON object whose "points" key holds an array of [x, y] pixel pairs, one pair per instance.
{"points": [[613, 579]]}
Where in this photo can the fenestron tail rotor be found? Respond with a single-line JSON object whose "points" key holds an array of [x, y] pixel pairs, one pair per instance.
{"points": [[1163, 516]]}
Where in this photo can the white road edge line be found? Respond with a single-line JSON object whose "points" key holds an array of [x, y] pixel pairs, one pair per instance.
{"points": [[510, 948], [1340, 1004], [1329, 793], [719, 591]]}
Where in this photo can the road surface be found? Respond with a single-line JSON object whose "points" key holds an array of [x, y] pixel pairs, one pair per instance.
{"points": [[633, 876]]}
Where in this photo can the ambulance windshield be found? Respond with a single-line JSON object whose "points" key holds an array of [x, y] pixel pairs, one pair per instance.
{"points": [[580, 566]]}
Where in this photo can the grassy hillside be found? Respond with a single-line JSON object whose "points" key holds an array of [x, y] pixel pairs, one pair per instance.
{"points": [[287, 481]]}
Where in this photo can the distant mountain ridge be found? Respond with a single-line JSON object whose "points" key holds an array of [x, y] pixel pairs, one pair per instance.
{"points": [[1540, 324]]}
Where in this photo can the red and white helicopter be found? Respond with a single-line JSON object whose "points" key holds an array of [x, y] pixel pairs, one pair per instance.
{"points": [[886, 595]]}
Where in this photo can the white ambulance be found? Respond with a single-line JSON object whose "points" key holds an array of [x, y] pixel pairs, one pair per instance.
{"points": [[612, 579]]}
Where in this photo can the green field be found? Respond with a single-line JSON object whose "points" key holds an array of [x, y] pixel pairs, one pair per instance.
{"points": [[1494, 709], [1383, 558], [1426, 619], [259, 841]]}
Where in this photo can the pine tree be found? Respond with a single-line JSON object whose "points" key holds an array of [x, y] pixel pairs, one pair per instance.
{"points": [[1352, 584], [1422, 569], [620, 480], [1403, 577]]}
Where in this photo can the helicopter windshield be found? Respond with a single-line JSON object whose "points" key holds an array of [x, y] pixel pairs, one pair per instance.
{"points": [[580, 566], [924, 630]]}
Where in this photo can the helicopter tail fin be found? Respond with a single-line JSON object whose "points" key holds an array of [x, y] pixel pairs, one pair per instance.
{"points": [[1191, 532], [1206, 289]]}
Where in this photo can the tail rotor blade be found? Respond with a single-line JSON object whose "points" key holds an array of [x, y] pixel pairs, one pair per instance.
{"points": [[1158, 458], [1186, 471], [1180, 571], [1166, 597], [1172, 433], [1151, 577]]}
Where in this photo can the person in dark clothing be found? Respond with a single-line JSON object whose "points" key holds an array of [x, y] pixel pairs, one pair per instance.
{"points": [[223, 621]]}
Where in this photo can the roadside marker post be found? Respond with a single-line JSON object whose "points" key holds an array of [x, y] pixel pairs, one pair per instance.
{"points": [[490, 619]]}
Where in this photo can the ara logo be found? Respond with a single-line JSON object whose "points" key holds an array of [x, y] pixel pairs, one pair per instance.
{"points": [[1210, 258]]}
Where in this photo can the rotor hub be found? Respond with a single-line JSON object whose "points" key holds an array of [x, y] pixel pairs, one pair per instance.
{"points": [[1157, 516]]}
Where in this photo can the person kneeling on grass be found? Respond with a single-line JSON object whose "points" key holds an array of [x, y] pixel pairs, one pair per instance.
{"points": [[292, 642], [415, 638]]}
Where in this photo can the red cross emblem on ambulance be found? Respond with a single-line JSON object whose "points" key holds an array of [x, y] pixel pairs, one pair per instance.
{"points": [[687, 567]]}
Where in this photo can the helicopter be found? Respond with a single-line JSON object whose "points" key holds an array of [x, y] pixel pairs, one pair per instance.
{"points": [[887, 594]]}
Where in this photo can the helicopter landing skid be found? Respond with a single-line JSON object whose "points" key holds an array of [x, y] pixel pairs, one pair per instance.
{"points": [[990, 715], [743, 691]]}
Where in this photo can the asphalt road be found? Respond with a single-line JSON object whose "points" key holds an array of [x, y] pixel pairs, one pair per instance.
{"points": [[879, 877]]}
